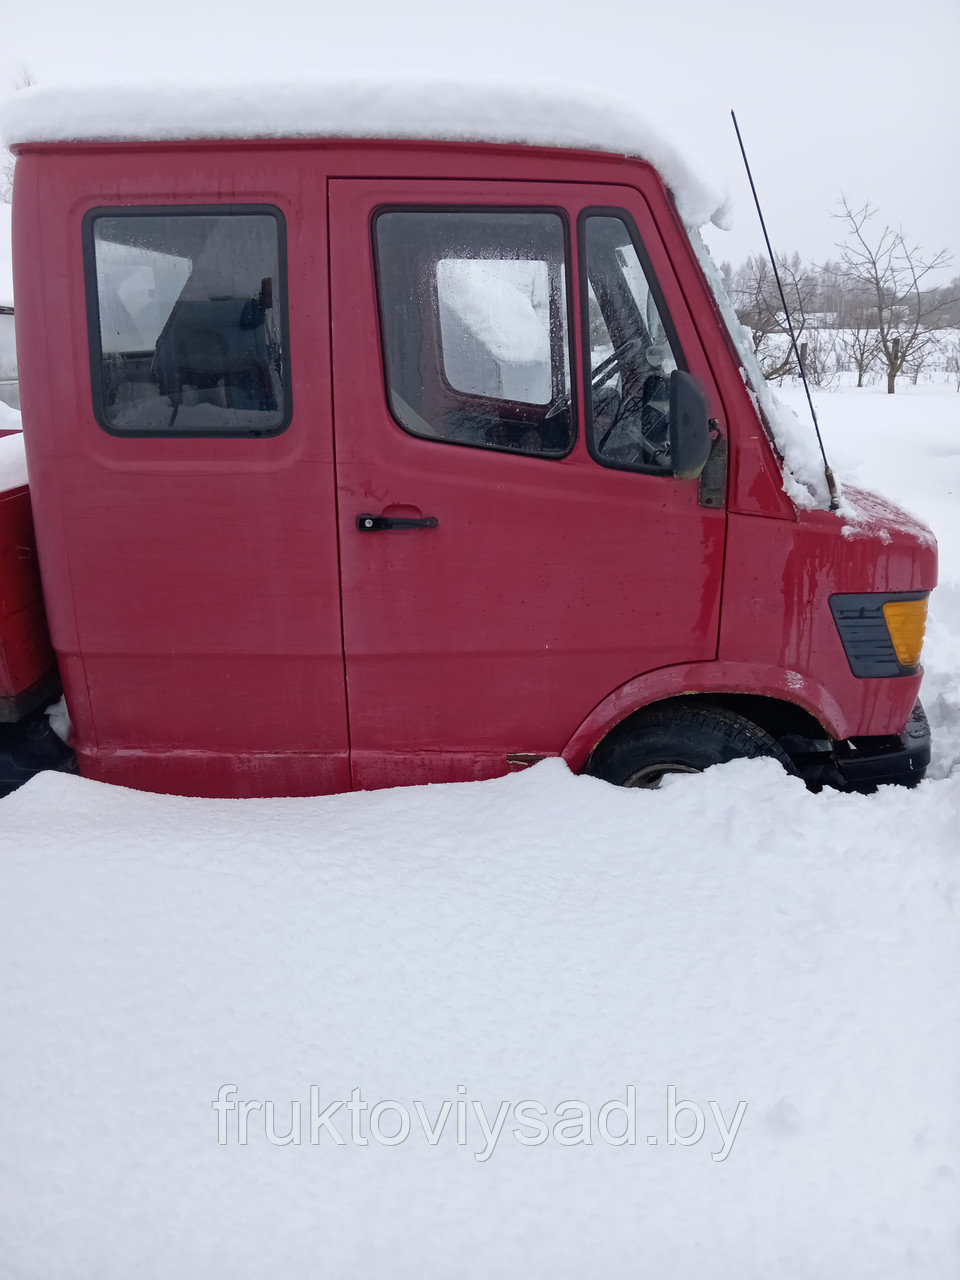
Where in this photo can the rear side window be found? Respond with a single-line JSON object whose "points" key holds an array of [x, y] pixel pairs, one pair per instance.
{"points": [[474, 321], [187, 320]]}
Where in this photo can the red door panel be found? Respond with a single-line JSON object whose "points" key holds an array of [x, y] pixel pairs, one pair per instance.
{"points": [[546, 583], [192, 583]]}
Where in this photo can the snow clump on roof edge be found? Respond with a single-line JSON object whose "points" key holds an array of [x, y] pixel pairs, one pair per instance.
{"points": [[443, 110]]}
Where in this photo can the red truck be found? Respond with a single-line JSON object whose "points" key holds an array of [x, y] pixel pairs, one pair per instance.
{"points": [[360, 461]]}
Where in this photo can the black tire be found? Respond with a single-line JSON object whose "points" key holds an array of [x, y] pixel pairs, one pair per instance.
{"points": [[680, 739], [28, 747]]}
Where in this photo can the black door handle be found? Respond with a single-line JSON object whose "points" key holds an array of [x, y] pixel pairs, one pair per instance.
{"points": [[375, 524]]}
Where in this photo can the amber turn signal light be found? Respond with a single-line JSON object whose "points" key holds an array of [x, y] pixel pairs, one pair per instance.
{"points": [[906, 620]]}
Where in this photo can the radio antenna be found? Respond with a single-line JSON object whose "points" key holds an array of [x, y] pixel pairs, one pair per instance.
{"points": [[827, 471]]}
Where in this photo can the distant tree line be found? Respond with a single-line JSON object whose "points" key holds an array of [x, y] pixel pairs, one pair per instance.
{"points": [[872, 312], [6, 175]]}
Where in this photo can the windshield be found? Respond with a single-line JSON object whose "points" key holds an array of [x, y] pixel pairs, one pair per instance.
{"points": [[803, 481]]}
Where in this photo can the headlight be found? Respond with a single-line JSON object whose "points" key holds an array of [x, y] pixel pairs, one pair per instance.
{"points": [[906, 620], [881, 631]]}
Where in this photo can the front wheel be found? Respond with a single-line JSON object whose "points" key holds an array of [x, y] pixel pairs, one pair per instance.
{"points": [[680, 739]]}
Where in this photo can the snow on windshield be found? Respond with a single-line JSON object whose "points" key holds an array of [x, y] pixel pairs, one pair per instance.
{"points": [[137, 290], [505, 306], [504, 303], [488, 111], [803, 477]]}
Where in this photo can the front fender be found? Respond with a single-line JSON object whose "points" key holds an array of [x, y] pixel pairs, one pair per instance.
{"points": [[704, 678]]}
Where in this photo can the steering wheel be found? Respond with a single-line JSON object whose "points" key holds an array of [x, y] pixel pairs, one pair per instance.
{"points": [[604, 370], [650, 446]]}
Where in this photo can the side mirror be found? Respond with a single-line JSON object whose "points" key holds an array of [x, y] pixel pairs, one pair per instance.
{"points": [[689, 426]]}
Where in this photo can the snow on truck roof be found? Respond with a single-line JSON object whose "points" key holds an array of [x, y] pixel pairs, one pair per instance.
{"points": [[439, 110]]}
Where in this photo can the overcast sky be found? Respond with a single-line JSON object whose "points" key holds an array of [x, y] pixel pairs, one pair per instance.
{"points": [[831, 95]]}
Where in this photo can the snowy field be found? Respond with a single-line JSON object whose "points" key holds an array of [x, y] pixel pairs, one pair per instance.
{"points": [[496, 961]]}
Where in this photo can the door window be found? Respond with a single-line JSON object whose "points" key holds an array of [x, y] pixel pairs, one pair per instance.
{"points": [[631, 350], [473, 310]]}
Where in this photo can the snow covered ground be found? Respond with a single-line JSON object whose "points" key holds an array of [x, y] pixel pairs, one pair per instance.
{"points": [[784, 963]]}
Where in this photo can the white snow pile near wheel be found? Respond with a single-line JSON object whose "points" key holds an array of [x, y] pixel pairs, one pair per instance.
{"points": [[541, 938], [681, 736]]}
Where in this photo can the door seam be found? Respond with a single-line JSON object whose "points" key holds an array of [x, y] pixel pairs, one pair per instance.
{"points": [[336, 483]]}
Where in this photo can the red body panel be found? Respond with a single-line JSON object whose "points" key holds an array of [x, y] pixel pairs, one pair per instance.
{"points": [[222, 628], [782, 577]]}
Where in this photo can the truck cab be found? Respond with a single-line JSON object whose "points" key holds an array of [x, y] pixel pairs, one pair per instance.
{"points": [[361, 460]]}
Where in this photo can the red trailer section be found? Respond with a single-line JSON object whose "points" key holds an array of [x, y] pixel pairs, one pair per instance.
{"points": [[27, 663], [362, 463]]}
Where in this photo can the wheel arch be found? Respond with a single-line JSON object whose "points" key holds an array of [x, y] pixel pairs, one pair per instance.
{"points": [[778, 701]]}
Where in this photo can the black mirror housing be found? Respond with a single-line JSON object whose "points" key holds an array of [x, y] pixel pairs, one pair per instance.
{"points": [[689, 426]]}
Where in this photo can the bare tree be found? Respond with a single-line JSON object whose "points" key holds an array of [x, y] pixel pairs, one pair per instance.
{"points": [[6, 175], [953, 303], [756, 298], [891, 270], [822, 360], [951, 361], [857, 334]]}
